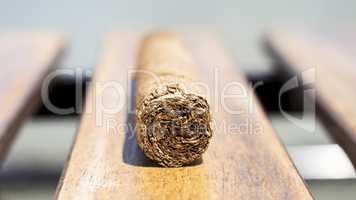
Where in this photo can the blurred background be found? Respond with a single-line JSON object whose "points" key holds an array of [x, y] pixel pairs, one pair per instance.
{"points": [[34, 164]]}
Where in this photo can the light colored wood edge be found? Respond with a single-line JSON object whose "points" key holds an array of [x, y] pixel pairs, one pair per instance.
{"points": [[335, 126], [33, 100]]}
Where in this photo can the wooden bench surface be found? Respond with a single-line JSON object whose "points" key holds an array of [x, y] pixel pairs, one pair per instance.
{"points": [[25, 59], [247, 162], [333, 58]]}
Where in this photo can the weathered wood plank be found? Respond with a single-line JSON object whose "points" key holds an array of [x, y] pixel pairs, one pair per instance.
{"points": [[245, 160], [25, 59], [334, 66]]}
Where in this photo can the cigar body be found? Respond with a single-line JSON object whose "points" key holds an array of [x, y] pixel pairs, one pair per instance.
{"points": [[172, 119]]}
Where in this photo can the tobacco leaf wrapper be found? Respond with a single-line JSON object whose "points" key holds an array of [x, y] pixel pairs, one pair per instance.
{"points": [[172, 118]]}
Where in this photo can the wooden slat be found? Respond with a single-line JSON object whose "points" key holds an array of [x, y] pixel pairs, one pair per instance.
{"points": [[334, 64], [249, 163], [25, 59]]}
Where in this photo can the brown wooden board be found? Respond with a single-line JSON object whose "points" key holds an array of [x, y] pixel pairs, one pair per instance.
{"points": [[25, 59], [334, 64], [245, 159]]}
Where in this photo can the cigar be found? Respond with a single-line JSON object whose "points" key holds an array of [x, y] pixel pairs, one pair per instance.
{"points": [[172, 116]]}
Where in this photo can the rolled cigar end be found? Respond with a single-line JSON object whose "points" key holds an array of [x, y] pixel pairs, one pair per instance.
{"points": [[172, 118], [174, 126]]}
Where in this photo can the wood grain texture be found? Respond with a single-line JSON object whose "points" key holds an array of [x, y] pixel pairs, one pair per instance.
{"points": [[245, 159], [334, 65], [25, 59]]}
